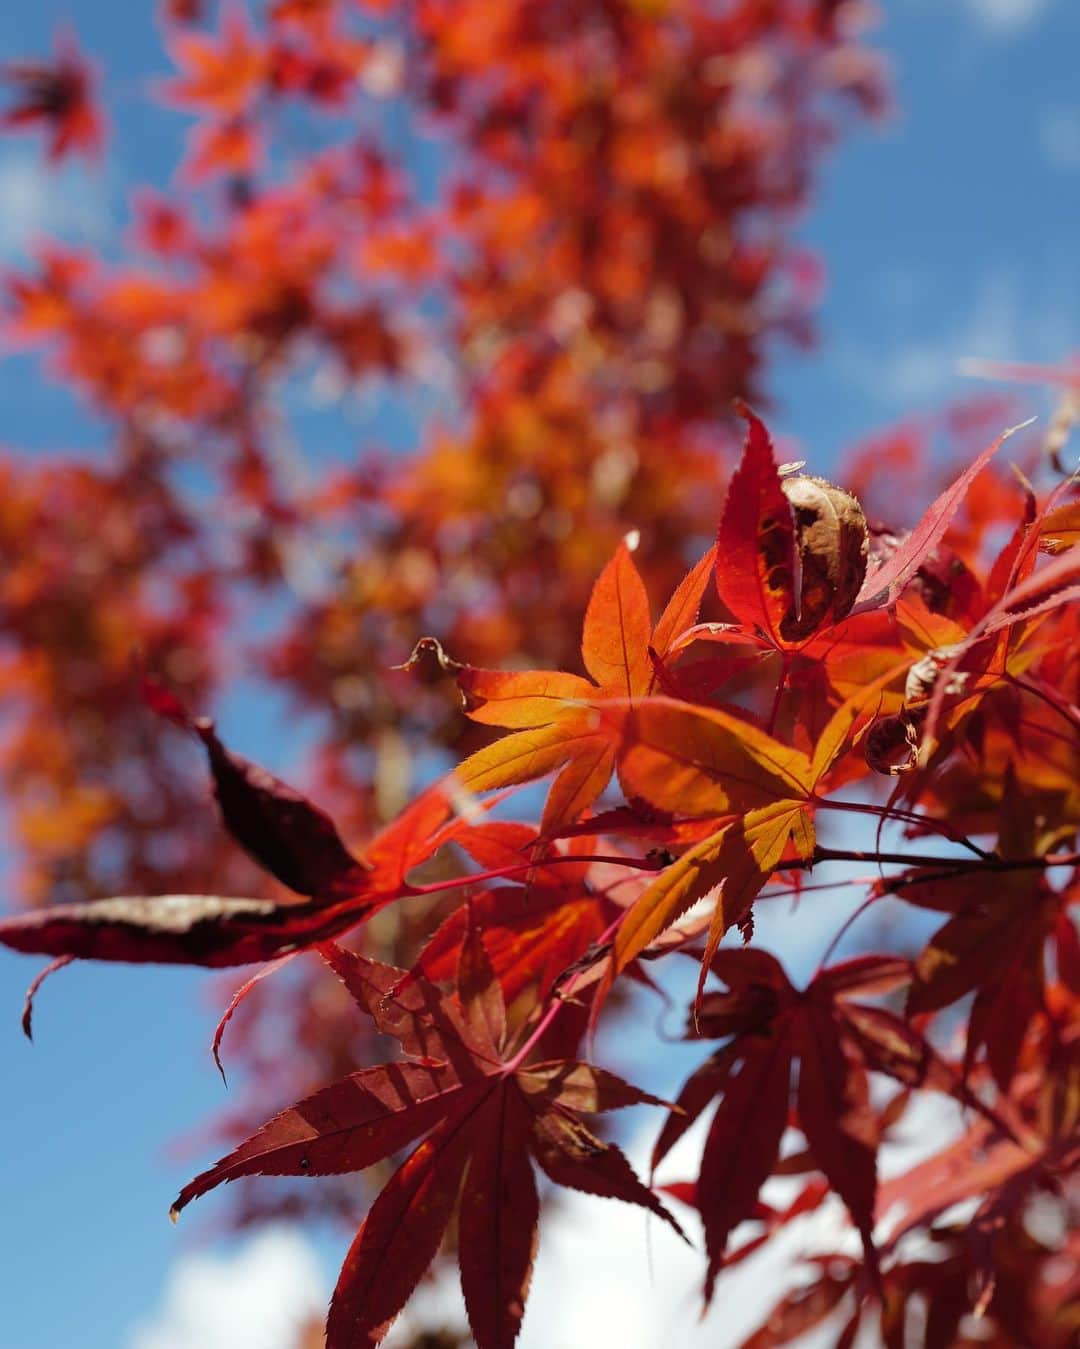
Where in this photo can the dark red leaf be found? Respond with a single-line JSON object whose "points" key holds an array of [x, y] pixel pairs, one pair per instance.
{"points": [[35, 985], [698, 1091], [292, 839], [835, 1116], [167, 929], [399, 1238], [235, 1001], [345, 1127], [479, 993], [280, 829], [743, 1144], [573, 1156], [497, 1232], [426, 1023], [755, 552], [582, 1087]]}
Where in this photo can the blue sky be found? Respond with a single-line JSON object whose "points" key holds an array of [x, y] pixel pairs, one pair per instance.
{"points": [[949, 233]]}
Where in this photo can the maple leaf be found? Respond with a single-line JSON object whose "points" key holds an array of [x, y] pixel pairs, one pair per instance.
{"points": [[806, 1307], [554, 715], [706, 762], [57, 96], [834, 1041], [737, 860], [1059, 528], [289, 837], [541, 253], [221, 75], [487, 1118], [533, 933], [885, 582], [992, 946], [1050, 589]]}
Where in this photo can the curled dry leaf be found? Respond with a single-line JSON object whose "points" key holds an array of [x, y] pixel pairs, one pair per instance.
{"points": [[791, 551], [892, 744], [831, 549]]}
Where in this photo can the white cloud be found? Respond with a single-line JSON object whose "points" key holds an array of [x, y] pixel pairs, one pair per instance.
{"points": [[1059, 138], [1006, 16], [258, 1296], [39, 200], [606, 1272], [1004, 322], [609, 1273]]}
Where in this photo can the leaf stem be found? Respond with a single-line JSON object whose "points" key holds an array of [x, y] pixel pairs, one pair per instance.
{"points": [[781, 685], [1052, 700], [986, 863], [515, 869], [557, 1002], [908, 817]]}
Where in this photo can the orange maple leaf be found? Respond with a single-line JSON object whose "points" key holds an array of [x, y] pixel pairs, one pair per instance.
{"points": [[554, 715], [220, 75]]}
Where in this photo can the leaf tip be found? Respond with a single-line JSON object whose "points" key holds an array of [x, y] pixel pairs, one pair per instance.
{"points": [[28, 1005], [220, 1067]]}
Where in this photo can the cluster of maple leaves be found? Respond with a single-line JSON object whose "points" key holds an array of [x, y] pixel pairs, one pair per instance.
{"points": [[578, 347], [557, 912], [596, 259]]}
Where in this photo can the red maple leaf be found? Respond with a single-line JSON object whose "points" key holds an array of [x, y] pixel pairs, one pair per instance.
{"points": [[486, 1116], [834, 1041], [59, 97], [289, 837]]}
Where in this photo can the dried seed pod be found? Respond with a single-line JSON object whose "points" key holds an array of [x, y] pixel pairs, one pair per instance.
{"points": [[892, 743], [830, 554]]}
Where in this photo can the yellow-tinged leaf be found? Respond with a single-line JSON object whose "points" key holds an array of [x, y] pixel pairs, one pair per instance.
{"points": [[923, 629], [699, 870], [1060, 529], [579, 783], [740, 858], [520, 699], [861, 707], [763, 835], [804, 836], [525, 755], [701, 761]]}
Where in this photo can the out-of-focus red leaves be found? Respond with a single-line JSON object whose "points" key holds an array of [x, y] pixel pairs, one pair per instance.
{"points": [[57, 97], [219, 74]]}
